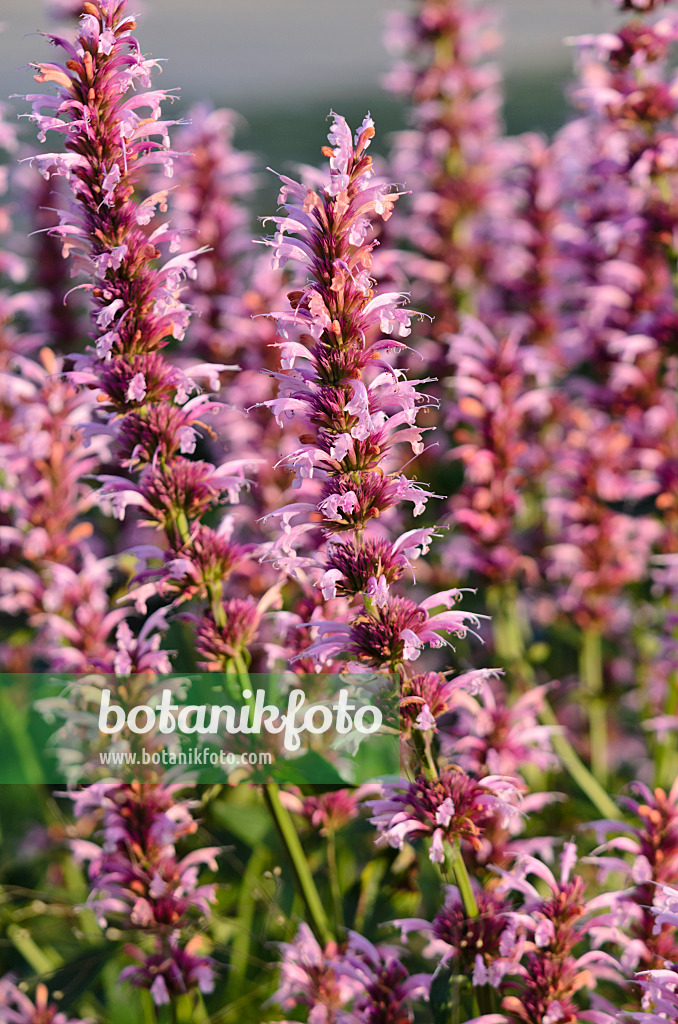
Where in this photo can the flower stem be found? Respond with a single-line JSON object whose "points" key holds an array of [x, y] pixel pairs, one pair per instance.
{"points": [[665, 756], [334, 877], [298, 863], [510, 647], [578, 771], [463, 881], [591, 675]]}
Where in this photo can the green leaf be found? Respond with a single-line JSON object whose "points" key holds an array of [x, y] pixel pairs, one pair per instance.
{"points": [[441, 994], [76, 978], [311, 767]]}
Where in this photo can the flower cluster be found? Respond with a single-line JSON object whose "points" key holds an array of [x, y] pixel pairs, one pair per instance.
{"points": [[17, 1008], [449, 155], [139, 882], [354, 409], [453, 808], [114, 133]]}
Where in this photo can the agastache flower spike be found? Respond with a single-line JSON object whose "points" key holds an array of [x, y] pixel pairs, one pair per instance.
{"points": [[448, 158], [139, 881], [354, 410], [652, 842], [114, 134], [553, 969]]}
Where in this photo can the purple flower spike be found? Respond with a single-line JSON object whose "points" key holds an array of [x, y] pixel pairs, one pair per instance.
{"points": [[354, 411], [156, 412]]}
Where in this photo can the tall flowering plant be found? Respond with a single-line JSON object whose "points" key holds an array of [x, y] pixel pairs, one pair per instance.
{"points": [[154, 413]]}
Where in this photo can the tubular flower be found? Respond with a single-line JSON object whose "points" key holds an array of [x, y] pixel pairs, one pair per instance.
{"points": [[353, 409], [114, 133], [659, 996]]}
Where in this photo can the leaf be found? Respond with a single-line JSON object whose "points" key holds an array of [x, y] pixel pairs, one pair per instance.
{"points": [[311, 767], [76, 978], [441, 994]]}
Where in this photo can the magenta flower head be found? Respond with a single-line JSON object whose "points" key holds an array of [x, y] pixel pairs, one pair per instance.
{"points": [[328, 812], [309, 978], [486, 947], [651, 840], [451, 808], [491, 735], [140, 882], [385, 988]]}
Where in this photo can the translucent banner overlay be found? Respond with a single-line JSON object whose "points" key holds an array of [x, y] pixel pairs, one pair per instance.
{"points": [[60, 729]]}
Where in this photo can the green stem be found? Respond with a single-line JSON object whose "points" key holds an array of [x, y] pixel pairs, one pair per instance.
{"points": [[243, 673], [298, 863], [510, 648], [578, 771], [463, 881], [166, 1013], [591, 674], [334, 878], [666, 749]]}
